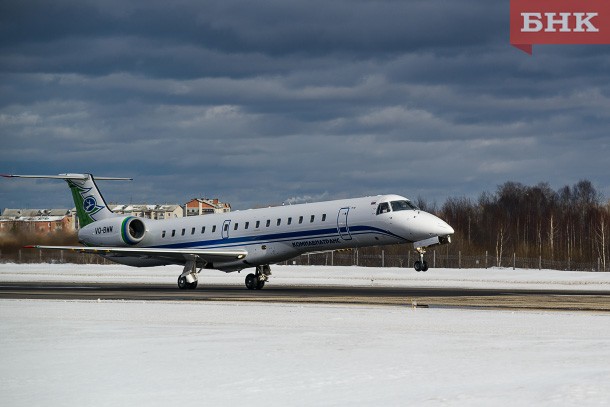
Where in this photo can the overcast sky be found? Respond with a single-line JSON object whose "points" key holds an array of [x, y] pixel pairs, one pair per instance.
{"points": [[260, 102]]}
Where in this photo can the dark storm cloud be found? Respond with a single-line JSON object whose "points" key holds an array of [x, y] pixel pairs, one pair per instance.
{"points": [[259, 102], [269, 27]]}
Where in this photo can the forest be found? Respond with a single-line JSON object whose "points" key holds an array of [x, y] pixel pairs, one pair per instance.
{"points": [[567, 228], [515, 226]]}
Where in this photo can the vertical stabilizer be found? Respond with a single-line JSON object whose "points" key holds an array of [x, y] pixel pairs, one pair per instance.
{"points": [[89, 202]]}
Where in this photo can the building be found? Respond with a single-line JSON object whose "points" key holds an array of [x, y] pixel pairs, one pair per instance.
{"points": [[44, 221], [39, 221], [149, 211], [204, 206]]}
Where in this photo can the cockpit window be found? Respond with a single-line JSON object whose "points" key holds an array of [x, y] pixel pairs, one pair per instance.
{"points": [[383, 207], [403, 206]]}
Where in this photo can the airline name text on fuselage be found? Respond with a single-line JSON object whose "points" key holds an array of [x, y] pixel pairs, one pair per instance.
{"points": [[318, 242]]}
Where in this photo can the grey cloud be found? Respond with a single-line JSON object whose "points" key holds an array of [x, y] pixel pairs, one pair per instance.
{"points": [[259, 101]]}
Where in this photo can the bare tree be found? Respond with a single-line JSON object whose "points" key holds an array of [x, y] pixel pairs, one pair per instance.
{"points": [[601, 241], [501, 240]]}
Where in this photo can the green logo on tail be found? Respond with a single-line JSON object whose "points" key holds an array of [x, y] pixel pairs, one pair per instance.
{"points": [[86, 205]]}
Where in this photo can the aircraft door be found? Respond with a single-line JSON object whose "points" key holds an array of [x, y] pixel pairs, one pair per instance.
{"points": [[342, 225], [225, 229]]}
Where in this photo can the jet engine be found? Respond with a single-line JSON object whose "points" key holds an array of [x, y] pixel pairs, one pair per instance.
{"points": [[114, 232]]}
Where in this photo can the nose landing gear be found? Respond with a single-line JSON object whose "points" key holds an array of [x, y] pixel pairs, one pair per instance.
{"points": [[421, 246], [421, 264]]}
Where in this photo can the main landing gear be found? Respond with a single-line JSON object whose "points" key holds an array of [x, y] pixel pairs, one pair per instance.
{"points": [[188, 278], [257, 280], [421, 264]]}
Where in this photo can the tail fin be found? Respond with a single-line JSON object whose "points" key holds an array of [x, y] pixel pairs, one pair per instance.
{"points": [[89, 202]]}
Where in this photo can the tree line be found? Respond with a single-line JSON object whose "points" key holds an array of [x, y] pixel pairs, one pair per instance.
{"points": [[568, 225]]}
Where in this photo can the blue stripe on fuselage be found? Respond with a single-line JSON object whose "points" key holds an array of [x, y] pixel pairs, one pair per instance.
{"points": [[278, 237]]}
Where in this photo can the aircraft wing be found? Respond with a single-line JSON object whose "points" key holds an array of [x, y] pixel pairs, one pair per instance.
{"points": [[175, 255]]}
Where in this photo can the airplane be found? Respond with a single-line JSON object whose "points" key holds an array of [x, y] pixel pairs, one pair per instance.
{"points": [[253, 238]]}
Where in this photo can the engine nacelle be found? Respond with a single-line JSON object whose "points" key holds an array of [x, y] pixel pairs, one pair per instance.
{"points": [[117, 232]]}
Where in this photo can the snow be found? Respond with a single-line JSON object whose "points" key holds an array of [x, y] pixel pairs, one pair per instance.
{"points": [[504, 278], [107, 353]]}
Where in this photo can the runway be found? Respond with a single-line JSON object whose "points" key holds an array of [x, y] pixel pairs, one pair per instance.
{"points": [[394, 296]]}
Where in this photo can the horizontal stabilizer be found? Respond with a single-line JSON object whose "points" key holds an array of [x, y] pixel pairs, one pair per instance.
{"points": [[88, 200], [66, 177]]}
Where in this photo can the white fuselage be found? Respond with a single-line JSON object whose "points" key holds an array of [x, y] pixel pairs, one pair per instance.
{"points": [[275, 234]]}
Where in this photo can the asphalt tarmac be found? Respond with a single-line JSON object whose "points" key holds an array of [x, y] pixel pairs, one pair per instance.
{"points": [[409, 297]]}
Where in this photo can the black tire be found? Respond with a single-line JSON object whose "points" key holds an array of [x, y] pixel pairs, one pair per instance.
{"points": [[250, 281], [192, 286], [260, 284], [182, 284], [417, 266], [424, 266]]}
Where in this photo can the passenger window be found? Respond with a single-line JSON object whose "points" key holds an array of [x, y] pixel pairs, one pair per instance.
{"points": [[235, 227], [383, 207], [258, 224], [163, 234], [324, 218], [279, 222], [173, 232], [202, 229], [289, 221], [226, 227], [246, 225], [312, 218], [183, 232], [214, 229], [192, 231], [300, 220], [268, 222]]}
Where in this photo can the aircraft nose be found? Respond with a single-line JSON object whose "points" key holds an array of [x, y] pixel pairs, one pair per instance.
{"points": [[436, 226], [444, 227]]}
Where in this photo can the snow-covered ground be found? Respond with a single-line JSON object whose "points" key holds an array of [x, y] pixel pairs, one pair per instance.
{"points": [[505, 278], [108, 353]]}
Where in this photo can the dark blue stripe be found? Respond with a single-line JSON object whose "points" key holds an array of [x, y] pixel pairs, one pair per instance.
{"points": [[279, 237]]}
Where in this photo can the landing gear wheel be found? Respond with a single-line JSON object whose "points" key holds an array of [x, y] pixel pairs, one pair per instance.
{"points": [[251, 282], [188, 279], [257, 280], [421, 264]]}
